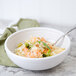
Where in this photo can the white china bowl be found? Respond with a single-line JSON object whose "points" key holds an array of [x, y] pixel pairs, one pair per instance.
{"points": [[49, 34]]}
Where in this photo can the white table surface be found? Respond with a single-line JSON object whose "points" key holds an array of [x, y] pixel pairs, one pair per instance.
{"points": [[66, 68]]}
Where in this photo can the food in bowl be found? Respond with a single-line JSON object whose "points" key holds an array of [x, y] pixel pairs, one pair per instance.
{"points": [[50, 35], [37, 47]]}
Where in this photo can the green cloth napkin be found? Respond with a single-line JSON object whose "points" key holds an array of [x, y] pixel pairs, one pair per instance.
{"points": [[21, 24]]}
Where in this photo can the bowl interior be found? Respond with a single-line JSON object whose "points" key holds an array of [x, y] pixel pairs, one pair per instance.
{"points": [[50, 35]]}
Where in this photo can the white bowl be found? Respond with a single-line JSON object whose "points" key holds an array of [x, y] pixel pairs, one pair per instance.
{"points": [[36, 63]]}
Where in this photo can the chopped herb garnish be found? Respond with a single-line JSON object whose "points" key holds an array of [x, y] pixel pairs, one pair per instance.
{"points": [[20, 44], [39, 42], [48, 53], [44, 55], [28, 45], [46, 45]]}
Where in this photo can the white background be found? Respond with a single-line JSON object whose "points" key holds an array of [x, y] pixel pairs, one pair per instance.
{"points": [[56, 12]]}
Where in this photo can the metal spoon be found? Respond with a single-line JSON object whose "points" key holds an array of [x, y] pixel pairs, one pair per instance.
{"points": [[63, 36]]}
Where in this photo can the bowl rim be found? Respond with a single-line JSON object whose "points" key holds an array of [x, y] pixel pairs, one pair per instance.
{"points": [[21, 57]]}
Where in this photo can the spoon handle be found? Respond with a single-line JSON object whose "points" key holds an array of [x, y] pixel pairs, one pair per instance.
{"points": [[64, 35], [70, 31]]}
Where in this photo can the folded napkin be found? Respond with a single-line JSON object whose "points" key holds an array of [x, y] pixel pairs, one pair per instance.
{"points": [[21, 24]]}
